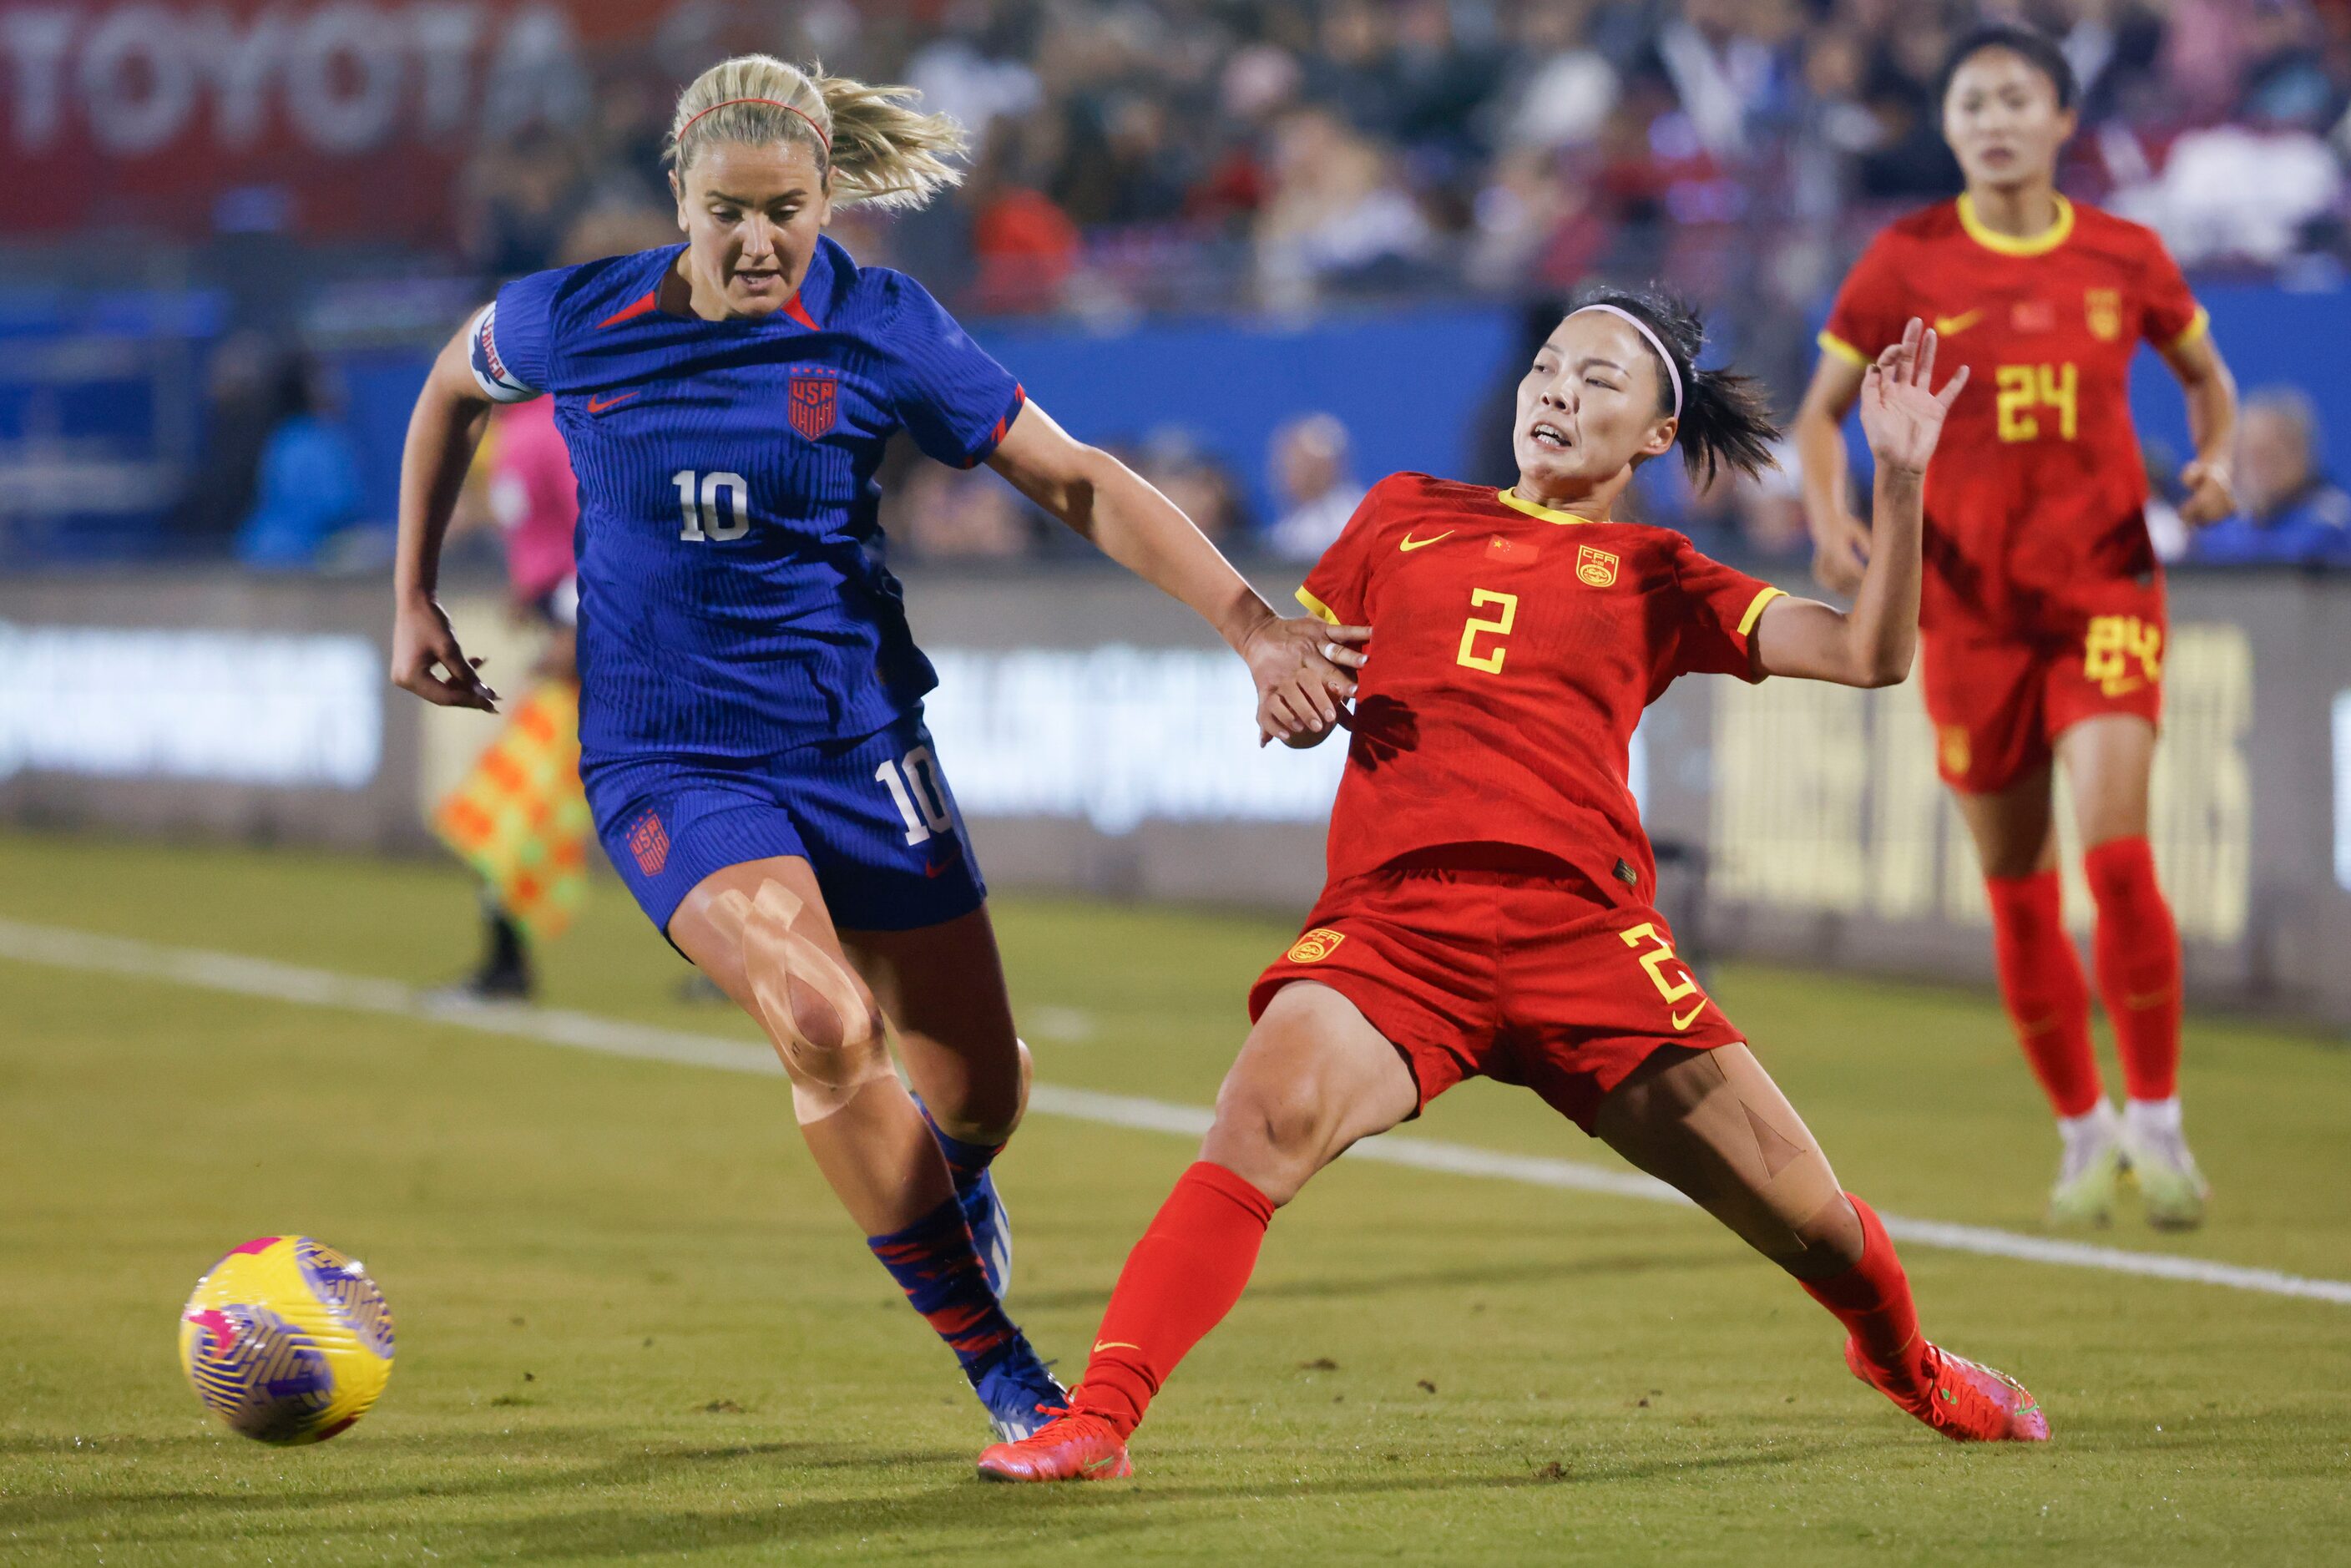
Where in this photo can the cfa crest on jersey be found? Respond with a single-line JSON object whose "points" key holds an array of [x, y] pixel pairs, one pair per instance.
{"points": [[815, 401], [1316, 946], [1595, 567], [2104, 307]]}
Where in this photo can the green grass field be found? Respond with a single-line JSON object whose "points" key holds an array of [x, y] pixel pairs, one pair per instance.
{"points": [[633, 1324]]}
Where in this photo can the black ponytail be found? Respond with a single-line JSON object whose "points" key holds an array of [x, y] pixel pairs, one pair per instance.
{"points": [[1726, 423]]}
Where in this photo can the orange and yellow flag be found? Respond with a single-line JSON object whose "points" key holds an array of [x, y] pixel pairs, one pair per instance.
{"points": [[519, 819]]}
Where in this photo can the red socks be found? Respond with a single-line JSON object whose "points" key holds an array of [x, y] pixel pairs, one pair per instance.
{"points": [[2041, 981], [1180, 1280], [2137, 949], [1872, 1299]]}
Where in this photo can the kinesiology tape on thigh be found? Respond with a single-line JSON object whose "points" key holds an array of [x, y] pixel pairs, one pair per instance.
{"points": [[830, 1036]]}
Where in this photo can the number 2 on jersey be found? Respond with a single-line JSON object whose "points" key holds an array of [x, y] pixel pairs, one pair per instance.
{"points": [[703, 522], [1655, 960], [1498, 625]]}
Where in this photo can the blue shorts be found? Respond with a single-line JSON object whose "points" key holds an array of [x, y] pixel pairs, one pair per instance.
{"points": [[872, 816]]}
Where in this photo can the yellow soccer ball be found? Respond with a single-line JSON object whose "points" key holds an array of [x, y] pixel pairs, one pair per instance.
{"points": [[286, 1340]]}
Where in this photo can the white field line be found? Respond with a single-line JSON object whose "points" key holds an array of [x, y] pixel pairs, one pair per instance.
{"points": [[63, 948]]}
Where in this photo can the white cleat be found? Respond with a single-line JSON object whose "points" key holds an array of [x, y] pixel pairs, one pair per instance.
{"points": [[2091, 1170], [2169, 1182]]}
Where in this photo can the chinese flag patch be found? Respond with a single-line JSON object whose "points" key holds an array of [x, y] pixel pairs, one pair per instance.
{"points": [[649, 843], [1515, 551]]}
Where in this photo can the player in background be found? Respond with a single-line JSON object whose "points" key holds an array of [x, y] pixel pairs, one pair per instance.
{"points": [[1490, 904], [751, 720], [2043, 616], [517, 819]]}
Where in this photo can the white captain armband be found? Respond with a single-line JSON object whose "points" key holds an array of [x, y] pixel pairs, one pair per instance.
{"points": [[492, 374]]}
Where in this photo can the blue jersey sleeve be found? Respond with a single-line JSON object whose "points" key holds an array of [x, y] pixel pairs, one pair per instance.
{"points": [[952, 396], [511, 341]]}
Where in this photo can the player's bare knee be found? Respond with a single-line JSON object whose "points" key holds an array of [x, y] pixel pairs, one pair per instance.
{"points": [[1274, 1115], [1268, 1135]]}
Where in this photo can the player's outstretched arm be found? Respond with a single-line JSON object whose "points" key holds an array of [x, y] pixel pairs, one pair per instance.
{"points": [[1872, 644], [1840, 540], [1301, 666], [2211, 390], [442, 435]]}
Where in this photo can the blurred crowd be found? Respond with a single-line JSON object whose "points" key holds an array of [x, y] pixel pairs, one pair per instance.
{"points": [[1133, 156], [1297, 155], [1284, 153]]}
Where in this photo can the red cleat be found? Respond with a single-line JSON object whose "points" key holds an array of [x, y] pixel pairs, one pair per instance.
{"points": [[1073, 1447], [1966, 1401]]}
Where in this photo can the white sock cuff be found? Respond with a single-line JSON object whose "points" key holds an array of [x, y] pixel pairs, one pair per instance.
{"points": [[2098, 1120]]}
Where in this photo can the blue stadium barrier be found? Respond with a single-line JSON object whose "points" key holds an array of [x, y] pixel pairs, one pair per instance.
{"points": [[1407, 384]]}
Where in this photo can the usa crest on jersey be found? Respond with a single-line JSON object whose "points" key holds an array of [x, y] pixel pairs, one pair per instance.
{"points": [[815, 401]]}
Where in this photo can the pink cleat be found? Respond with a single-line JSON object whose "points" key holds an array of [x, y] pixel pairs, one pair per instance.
{"points": [[1073, 1447], [1966, 1401]]}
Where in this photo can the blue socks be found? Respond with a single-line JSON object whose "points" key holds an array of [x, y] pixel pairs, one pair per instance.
{"points": [[935, 1264]]}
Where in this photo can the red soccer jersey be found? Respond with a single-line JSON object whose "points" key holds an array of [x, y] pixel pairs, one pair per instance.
{"points": [[2037, 483], [1514, 649]]}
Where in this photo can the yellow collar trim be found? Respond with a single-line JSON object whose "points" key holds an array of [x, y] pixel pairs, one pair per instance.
{"points": [[2041, 244], [1519, 503]]}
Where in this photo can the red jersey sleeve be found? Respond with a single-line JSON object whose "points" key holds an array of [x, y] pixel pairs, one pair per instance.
{"points": [[2169, 314], [1871, 309], [1720, 605], [1339, 588]]}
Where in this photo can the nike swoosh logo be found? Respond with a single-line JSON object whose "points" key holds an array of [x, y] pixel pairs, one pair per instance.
{"points": [[1952, 325], [948, 865], [1410, 543], [1683, 1020], [599, 406], [1103, 1345], [1090, 1466]]}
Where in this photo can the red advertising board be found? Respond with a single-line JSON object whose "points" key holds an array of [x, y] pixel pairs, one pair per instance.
{"points": [[343, 120]]}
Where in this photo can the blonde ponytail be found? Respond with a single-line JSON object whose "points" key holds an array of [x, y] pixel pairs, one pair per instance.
{"points": [[874, 146]]}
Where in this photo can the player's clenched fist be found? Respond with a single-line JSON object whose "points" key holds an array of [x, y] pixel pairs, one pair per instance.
{"points": [[1900, 414]]}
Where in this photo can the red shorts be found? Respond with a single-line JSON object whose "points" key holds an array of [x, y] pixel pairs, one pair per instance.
{"points": [[1502, 974], [2000, 700]]}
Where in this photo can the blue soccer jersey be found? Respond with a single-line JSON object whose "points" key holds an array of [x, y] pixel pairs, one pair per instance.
{"points": [[748, 687], [732, 599]]}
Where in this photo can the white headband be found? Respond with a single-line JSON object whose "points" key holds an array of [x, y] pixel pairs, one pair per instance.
{"points": [[1654, 341]]}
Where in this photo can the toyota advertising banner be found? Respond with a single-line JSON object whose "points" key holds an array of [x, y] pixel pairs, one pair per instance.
{"points": [[337, 122]]}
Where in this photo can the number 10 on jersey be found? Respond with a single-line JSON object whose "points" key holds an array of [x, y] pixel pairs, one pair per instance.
{"points": [[914, 789], [699, 502]]}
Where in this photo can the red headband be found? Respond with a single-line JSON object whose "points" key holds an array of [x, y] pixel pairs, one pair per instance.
{"points": [[822, 140]]}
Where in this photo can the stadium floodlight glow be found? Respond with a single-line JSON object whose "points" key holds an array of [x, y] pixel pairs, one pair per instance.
{"points": [[239, 708], [1117, 736]]}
